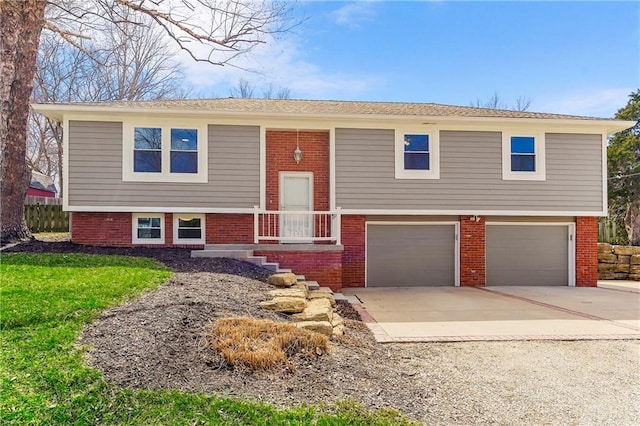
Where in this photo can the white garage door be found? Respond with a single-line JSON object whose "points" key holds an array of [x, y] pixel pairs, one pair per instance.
{"points": [[408, 255], [531, 255]]}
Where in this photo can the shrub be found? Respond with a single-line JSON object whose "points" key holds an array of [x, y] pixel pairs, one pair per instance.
{"points": [[263, 344]]}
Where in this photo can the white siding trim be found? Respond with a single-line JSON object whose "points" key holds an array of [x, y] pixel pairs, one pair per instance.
{"points": [[434, 153], [605, 176], [65, 165], [456, 226], [134, 229], [540, 156], [143, 209], [472, 212], [263, 168], [128, 175], [332, 169], [571, 243], [177, 240]]}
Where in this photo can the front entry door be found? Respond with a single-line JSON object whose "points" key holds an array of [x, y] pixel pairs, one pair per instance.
{"points": [[296, 194]]}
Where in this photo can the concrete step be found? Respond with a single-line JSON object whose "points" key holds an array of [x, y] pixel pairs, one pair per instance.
{"points": [[340, 296], [229, 246], [326, 289], [257, 260], [233, 254], [313, 285], [300, 277], [271, 266], [284, 270]]}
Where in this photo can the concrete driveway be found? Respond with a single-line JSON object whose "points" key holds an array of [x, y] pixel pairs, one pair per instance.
{"points": [[425, 314]]}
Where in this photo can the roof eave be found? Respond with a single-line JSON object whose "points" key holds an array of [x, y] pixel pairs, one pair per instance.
{"points": [[58, 111]]}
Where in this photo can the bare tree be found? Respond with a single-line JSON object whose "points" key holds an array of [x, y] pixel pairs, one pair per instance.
{"points": [[225, 28], [495, 102], [244, 89]]}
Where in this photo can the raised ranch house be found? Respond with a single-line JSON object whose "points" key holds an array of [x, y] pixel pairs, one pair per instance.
{"points": [[350, 194]]}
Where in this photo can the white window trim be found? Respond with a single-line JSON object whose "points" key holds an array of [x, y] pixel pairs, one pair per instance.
{"points": [[434, 153], [128, 175], [540, 163], [134, 229], [177, 240]]}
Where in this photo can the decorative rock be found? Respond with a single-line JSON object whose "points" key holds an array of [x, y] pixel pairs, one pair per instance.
{"points": [[624, 259], [607, 258], [606, 275], [302, 285], [606, 267], [287, 305], [316, 310], [634, 269], [623, 250], [288, 292], [319, 294], [635, 259], [322, 327], [635, 250], [634, 277], [286, 279], [337, 320], [604, 248], [621, 276], [621, 268], [338, 330]]}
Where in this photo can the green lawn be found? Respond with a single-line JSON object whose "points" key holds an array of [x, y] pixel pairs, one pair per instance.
{"points": [[44, 301]]}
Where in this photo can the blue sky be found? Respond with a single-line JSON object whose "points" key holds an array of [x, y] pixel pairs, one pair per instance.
{"points": [[567, 57]]}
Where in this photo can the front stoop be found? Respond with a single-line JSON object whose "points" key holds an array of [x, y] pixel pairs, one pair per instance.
{"points": [[238, 252]]}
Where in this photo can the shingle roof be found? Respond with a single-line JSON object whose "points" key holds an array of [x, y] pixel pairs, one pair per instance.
{"points": [[313, 107]]}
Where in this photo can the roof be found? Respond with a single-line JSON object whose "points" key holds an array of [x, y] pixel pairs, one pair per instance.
{"points": [[318, 108], [42, 182]]}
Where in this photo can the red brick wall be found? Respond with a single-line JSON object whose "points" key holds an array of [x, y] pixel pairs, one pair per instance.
{"points": [[586, 251], [101, 229], [315, 158], [353, 256], [223, 228], [325, 267], [472, 251]]}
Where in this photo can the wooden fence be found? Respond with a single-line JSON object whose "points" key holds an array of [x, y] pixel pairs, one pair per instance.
{"points": [[32, 199], [610, 231], [46, 218]]}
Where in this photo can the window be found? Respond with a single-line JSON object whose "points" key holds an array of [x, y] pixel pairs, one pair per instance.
{"points": [[417, 154], [188, 229], [184, 151], [148, 228], [154, 152], [147, 149], [523, 156]]}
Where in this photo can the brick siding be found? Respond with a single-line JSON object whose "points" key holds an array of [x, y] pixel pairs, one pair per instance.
{"points": [[325, 267], [472, 251], [353, 256], [223, 228], [586, 251]]}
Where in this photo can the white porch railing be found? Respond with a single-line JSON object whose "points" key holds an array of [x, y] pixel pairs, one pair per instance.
{"points": [[296, 226]]}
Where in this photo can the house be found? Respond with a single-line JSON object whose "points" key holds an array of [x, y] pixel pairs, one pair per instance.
{"points": [[41, 186], [350, 194]]}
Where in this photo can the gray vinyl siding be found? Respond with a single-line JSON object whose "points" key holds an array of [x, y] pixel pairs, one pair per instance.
{"points": [[470, 174], [95, 171]]}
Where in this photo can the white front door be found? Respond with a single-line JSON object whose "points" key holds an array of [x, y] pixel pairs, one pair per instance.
{"points": [[296, 194]]}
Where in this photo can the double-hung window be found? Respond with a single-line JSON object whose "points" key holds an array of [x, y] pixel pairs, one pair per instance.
{"points": [[417, 154], [154, 152], [523, 156], [148, 228], [188, 228]]}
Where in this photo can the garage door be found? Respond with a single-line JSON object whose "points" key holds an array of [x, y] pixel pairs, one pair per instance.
{"points": [[411, 255], [527, 255]]}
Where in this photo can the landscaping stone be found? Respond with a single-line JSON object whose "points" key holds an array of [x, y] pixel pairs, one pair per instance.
{"points": [[635, 259], [320, 294], [634, 269], [288, 292], [625, 260], [607, 258], [619, 267], [285, 279], [606, 275], [604, 248], [623, 250], [287, 305], [302, 285], [634, 277], [323, 327], [606, 267], [316, 310]]}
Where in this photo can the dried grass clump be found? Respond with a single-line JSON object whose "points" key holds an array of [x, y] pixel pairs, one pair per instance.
{"points": [[263, 344]]}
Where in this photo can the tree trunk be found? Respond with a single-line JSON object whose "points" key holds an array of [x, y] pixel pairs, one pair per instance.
{"points": [[632, 222], [21, 23]]}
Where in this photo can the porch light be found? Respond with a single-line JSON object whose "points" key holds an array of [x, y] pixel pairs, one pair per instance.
{"points": [[297, 154]]}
